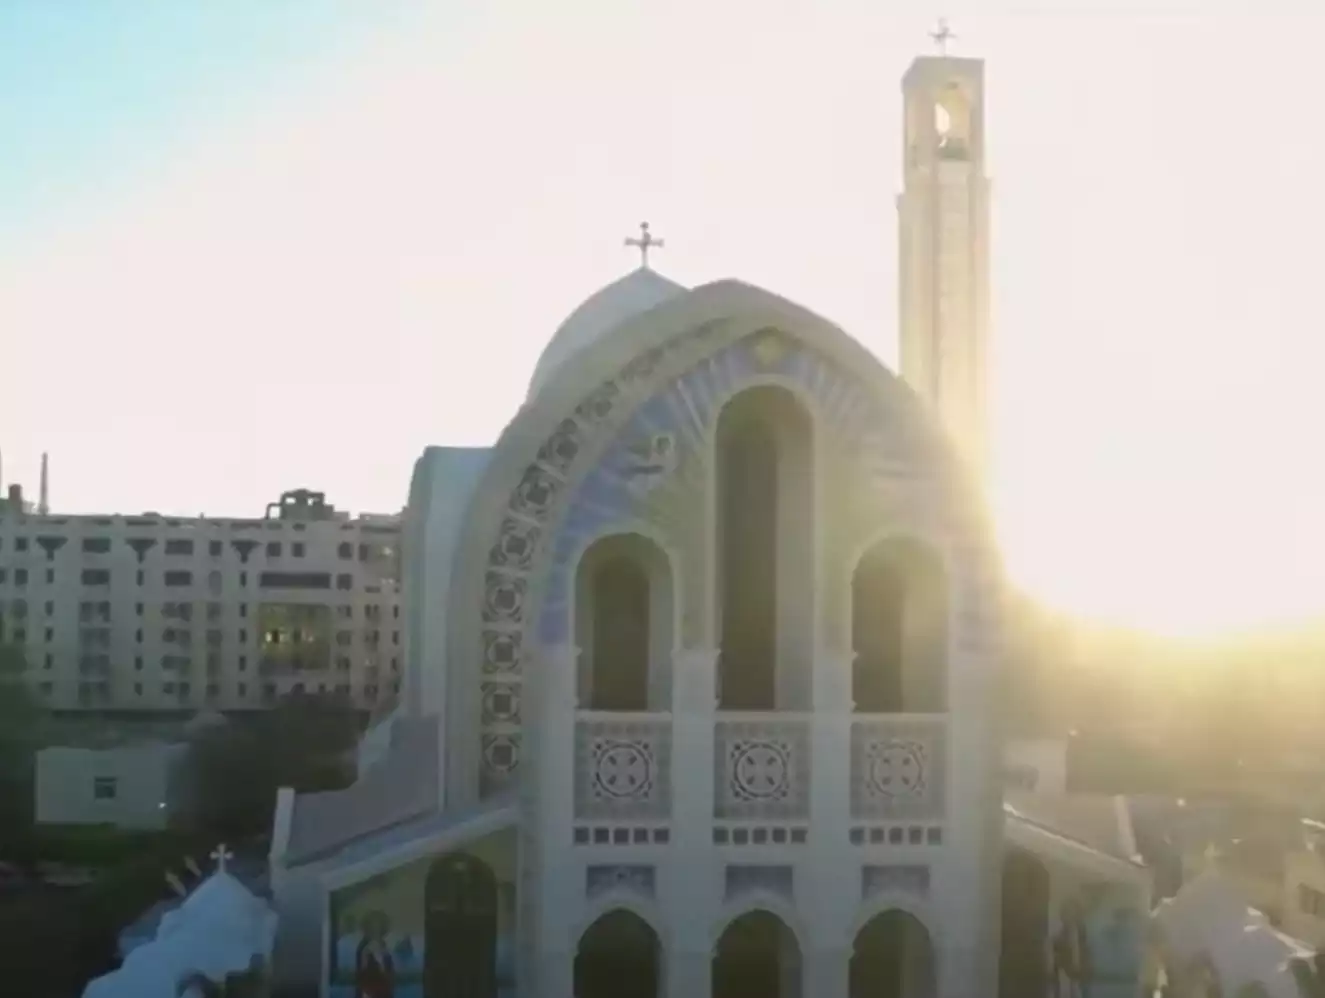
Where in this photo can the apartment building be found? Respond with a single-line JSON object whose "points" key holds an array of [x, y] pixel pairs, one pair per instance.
{"points": [[154, 613]]}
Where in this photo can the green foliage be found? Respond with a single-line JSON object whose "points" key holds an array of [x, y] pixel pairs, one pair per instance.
{"points": [[232, 771], [55, 940], [20, 733], [101, 846], [1309, 973]]}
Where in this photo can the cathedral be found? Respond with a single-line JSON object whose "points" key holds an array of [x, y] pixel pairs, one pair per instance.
{"points": [[704, 670]]}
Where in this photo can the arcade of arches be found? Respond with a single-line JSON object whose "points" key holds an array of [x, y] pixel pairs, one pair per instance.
{"points": [[756, 956], [625, 590]]}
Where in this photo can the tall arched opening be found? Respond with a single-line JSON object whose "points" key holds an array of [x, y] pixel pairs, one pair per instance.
{"points": [[1023, 966], [765, 550], [893, 957], [899, 629], [460, 929], [619, 954], [623, 624], [757, 956]]}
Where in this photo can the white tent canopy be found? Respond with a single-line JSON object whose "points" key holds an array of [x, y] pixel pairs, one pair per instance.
{"points": [[1208, 921], [221, 928]]}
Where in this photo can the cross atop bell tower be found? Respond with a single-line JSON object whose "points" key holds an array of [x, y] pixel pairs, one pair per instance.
{"points": [[943, 226]]}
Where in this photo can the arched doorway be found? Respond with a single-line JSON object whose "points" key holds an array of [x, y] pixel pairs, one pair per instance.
{"points": [[1023, 966], [893, 958], [623, 624], [757, 957], [619, 954], [764, 545], [899, 629], [460, 929]]}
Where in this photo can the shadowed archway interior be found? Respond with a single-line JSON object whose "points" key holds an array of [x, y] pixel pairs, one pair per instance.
{"points": [[893, 957], [757, 956], [619, 954]]}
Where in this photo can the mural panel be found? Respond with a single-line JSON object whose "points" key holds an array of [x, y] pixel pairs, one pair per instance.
{"points": [[1097, 942], [392, 933]]}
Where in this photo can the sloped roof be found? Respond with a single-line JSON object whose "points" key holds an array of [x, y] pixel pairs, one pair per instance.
{"points": [[403, 785]]}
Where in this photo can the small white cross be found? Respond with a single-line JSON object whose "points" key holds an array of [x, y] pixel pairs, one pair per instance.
{"points": [[221, 855]]}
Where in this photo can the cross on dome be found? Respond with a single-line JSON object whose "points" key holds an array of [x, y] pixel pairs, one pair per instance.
{"points": [[644, 242], [221, 855]]}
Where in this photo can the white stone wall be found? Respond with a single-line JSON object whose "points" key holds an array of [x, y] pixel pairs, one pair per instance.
{"points": [[134, 782]]}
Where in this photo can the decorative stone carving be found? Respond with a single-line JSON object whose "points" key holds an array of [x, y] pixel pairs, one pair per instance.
{"points": [[893, 879], [745, 879], [897, 769], [501, 651], [503, 598], [560, 450], [623, 769], [598, 406], [763, 770], [501, 754], [501, 703], [638, 879], [516, 543], [535, 493]]}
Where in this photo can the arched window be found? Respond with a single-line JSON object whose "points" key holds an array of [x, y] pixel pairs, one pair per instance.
{"points": [[765, 551], [623, 624], [899, 629]]}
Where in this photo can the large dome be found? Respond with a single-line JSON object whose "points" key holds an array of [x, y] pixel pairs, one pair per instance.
{"points": [[597, 316]]}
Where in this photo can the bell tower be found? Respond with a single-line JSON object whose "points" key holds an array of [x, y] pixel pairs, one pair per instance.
{"points": [[943, 225]]}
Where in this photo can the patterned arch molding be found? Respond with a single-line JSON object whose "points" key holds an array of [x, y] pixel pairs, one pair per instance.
{"points": [[586, 472]]}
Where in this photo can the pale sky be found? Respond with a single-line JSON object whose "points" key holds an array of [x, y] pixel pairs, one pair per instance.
{"points": [[247, 246]]}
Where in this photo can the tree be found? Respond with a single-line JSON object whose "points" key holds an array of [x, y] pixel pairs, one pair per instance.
{"points": [[20, 724], [231, 772], [1309, 973]]}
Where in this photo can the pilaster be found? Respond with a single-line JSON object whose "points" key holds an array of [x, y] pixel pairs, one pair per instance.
{"points": [[689, 973], [694, 706], [833, 883], [827, 972]]}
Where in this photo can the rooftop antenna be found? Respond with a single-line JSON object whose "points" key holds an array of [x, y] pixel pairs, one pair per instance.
{"points": [[44, 496]]}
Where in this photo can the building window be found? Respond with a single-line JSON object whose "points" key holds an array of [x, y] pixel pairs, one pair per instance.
{"points": [[345, 550], [96, 545], [297, 549], [214, 548], [344, 582], [50, 608], [20, 544], [273, 549], [1311, 900], [105, 787], [179, 578], [345, 612], [50, 576], [96, 576], [20, 576], [179, 547]]}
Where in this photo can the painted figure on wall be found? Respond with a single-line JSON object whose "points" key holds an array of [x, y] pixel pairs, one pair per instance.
{"points": [[374, 966], [441, 926]]}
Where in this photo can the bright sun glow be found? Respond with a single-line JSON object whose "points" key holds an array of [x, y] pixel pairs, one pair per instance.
{"points": [[1191, 523]]}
